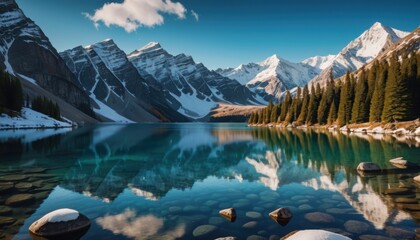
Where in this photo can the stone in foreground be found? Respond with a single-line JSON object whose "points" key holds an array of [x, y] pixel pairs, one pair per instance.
{"points": [[314, 235], [400, 162], [60, 224], [368, 167], [282, 216], [229, 214]]}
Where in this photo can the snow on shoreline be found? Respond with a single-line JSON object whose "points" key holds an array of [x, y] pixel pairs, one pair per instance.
{"points": [[30, 119]]}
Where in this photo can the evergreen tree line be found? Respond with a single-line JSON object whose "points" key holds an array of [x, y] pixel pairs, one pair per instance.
{"points": [[11, 94], [47, 107], [389, 91]]}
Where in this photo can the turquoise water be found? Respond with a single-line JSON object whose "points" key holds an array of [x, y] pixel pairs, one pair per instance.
{"points": [[163, 181]]}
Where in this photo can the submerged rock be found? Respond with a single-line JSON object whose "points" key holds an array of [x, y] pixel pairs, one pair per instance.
{"points": [[314, 235], [282, 216], [368, 167], [20, 199], [6, 187], [62, 223], [356, 226], [251, 224], [400, 162], [253, 214], [229, 214], [319, 217], [397, 191], [203, 230]]}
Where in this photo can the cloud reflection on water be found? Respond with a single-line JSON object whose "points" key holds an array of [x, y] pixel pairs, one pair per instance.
{"points": [[130, 225]]}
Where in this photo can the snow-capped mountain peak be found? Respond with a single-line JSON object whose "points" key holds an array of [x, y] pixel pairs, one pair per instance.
{"points": [[271, 77], [361, 51]]}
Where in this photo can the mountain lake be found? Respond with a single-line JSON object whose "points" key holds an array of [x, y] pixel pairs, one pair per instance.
{"points": [[169, 181]]}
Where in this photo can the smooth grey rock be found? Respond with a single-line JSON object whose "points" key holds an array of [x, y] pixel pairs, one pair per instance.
{"points": [[13, 178], [354, 226], [319, 217], [20, 199], [203, 230], [254, 215], [251, 224], [6, 187]]}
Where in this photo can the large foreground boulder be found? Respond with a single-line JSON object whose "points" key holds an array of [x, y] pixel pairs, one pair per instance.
{"points": [[314, 235], [60, 224]]}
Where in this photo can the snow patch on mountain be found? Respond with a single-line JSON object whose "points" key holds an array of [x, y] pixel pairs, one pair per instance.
{"points": [[30, 119], [108, 112], [320, 62]]}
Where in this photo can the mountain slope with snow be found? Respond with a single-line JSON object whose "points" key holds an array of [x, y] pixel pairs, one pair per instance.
{"points": [[26, 53], [271, 77], [196, 88], [117, 90], [360, 51]]}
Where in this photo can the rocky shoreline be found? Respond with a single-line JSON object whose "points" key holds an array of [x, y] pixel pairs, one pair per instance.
{"points": [[409, 129]]}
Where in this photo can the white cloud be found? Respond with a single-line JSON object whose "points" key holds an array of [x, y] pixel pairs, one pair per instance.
{"points": [[195, 15], [132, 14]]}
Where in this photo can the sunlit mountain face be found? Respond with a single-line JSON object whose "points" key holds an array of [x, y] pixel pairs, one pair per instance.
{"points": [[177, 177]]}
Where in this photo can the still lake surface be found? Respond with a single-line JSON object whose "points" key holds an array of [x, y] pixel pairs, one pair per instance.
{"points": [[162, 181]]}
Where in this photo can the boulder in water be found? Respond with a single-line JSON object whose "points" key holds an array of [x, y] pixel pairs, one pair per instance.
{"points": [[60, 224]]}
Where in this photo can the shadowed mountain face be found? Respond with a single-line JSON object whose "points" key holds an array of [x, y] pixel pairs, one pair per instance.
{"points": [[27, 53], [115, 85]]}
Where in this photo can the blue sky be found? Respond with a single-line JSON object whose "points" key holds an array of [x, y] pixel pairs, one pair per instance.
{"points": [[227, 32]]}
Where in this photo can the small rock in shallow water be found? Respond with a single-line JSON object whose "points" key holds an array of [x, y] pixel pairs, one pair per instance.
{"points": [[64, 222], [203, 230], [254, 215], [226, 238], [20, 199], [6, 187], [23, 186], [417, 179], [229, 214], [319, 217], [354, 226], [281, 215], [251, 224], [405, 200], [399, 232], [13, 178]]}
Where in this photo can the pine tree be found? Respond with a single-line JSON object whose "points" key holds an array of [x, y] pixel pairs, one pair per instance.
{"points": [[285, 105], [360, 112], [274, 113], [305, 104], [371, 78], [332, 114], [397, 95], [378, 96], [326, 100], [346, 100], [312, 107]]}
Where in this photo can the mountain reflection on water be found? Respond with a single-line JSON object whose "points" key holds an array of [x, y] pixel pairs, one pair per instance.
{"points": [[108, 162]]}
